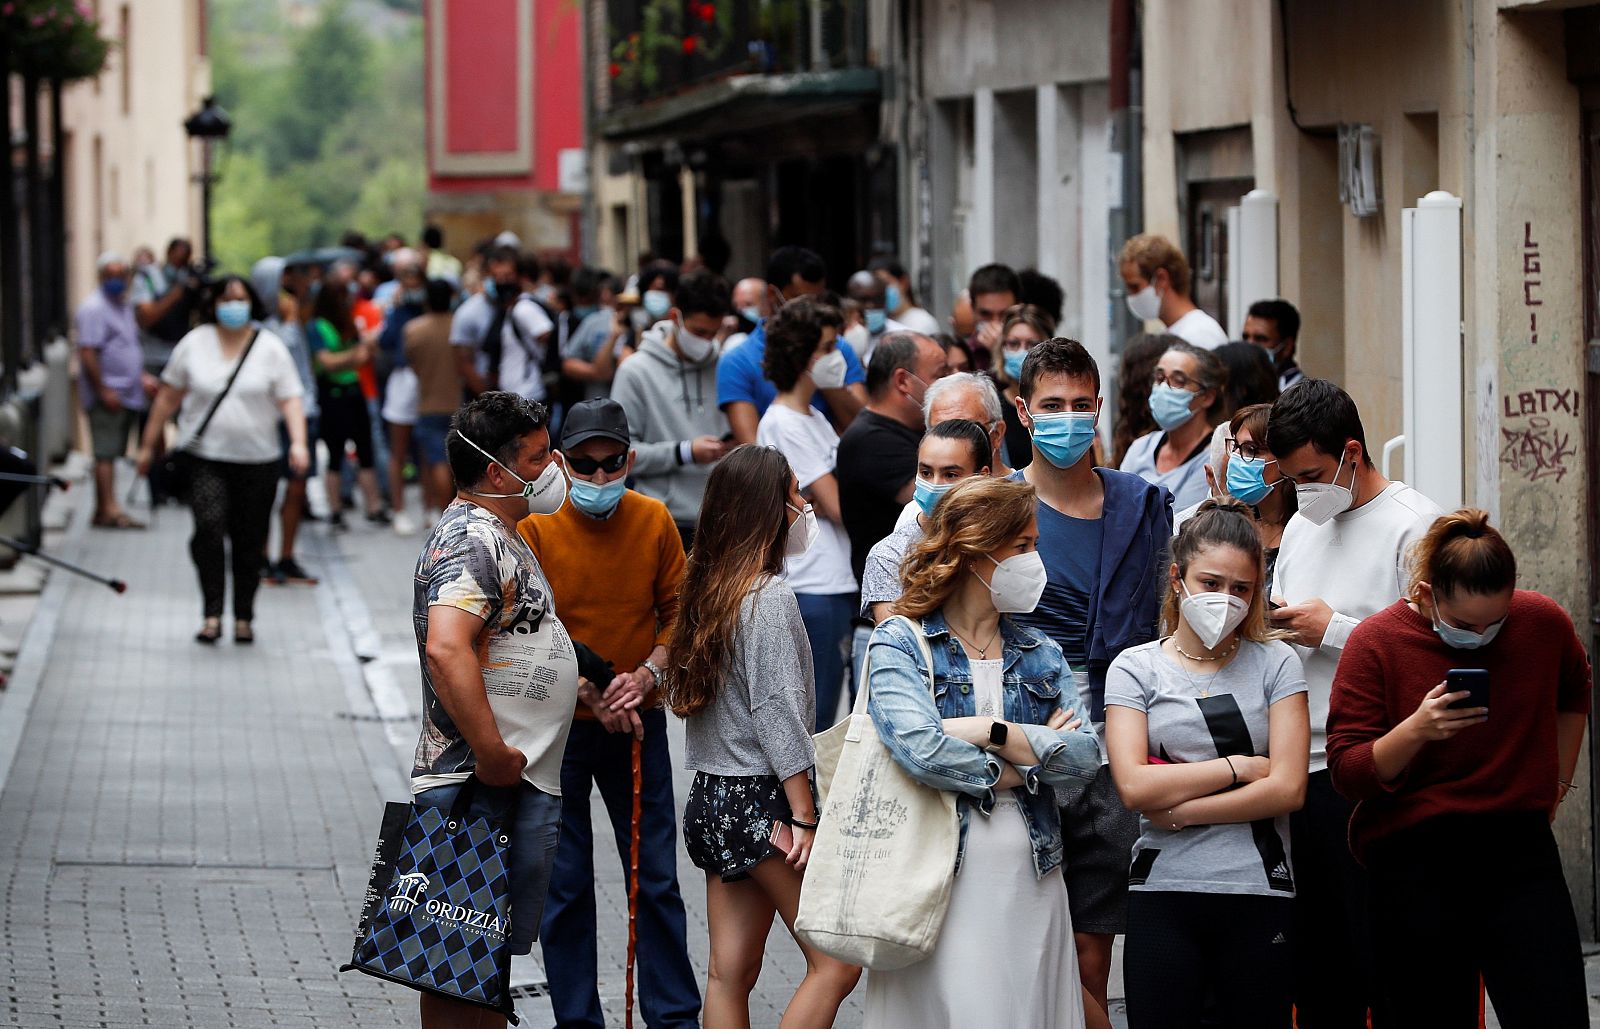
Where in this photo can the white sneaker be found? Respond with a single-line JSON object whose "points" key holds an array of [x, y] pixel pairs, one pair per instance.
{"points": [[404, 524]]}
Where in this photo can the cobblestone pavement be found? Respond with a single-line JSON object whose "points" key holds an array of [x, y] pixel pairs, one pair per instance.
{"points": [[185, 831]]}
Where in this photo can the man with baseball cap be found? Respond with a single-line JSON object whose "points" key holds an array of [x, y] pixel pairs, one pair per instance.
{"points": [[614, 558]]}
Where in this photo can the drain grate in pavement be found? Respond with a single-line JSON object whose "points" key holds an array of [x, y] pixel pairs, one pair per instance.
{"points": [[68, 872]]}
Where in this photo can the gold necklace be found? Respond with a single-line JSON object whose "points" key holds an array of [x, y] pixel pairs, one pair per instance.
{"points": [[1216, 657]]}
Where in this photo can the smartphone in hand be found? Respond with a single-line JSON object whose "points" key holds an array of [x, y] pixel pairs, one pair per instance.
{"points": [[782, 836], [1474, 680]]}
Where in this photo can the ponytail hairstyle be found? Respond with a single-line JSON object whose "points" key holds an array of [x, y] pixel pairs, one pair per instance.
{"points": [[1462, 552], [977, 517], [1222, 523], [739, 540]]}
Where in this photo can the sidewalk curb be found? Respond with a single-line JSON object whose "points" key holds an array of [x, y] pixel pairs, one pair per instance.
{"points": [[33, 653], [343, 619]]}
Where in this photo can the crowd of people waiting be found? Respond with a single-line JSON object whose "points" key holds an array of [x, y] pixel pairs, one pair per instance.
{"points": [[1192, 673]]}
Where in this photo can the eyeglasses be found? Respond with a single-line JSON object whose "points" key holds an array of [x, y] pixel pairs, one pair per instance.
{"points": [[1251, 451], [589, 465], [1176, 380]]}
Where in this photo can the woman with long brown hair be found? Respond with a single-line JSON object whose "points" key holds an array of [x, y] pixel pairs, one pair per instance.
{"points": [[996, 731], [740, 677], [1209, 739], [1456, 787]]}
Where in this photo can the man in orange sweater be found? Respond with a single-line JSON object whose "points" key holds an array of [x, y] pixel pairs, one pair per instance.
{"points": [[614, 558]]}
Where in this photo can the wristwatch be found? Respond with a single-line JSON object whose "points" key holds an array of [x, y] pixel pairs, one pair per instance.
{"points": [[998, 731], [655, 669]]}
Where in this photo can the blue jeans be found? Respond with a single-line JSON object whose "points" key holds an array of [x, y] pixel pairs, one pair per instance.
{"points": [[533, 846], [669, 993], [827, 620]]}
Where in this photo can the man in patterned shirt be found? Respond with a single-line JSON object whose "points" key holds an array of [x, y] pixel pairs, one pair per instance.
{"points": [[499, 673]]}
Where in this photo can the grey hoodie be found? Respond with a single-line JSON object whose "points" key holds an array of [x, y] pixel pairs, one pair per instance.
{"points": [[669, 400]]}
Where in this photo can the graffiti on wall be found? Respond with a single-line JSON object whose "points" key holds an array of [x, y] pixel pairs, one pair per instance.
{"points": [[1532, 269], [1532, 442]]}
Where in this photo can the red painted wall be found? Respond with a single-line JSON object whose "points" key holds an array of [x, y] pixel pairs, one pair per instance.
{"points": [[480, 74]]}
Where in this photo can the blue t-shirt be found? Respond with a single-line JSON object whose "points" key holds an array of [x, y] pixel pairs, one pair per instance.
{"points": [[739, 375], [1070, 548]]}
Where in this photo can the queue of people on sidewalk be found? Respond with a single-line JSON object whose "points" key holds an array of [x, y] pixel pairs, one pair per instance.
{"points": [[1202, 687]]}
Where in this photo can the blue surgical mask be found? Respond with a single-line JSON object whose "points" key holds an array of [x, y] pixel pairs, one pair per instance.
{"points": [[233, 314], [751, 314], [1169, 405], [1463, 639], [1064, 437], [597, 500], [927, 494], [1246, 479], [875, 318], [657, 302], [1012, 359], [891, 298], [114, 288]]}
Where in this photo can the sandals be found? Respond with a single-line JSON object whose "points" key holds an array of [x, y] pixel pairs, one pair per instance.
{"points": [[242, 633], [120, 520], [210, 632]]}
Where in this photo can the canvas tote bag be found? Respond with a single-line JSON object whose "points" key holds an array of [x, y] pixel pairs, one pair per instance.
{"points": [[878, 883]]}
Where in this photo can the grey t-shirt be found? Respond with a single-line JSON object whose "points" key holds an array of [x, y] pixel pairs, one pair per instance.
{"points": [[1201, 718], [759, 720], [584, 344], [880, 577]]}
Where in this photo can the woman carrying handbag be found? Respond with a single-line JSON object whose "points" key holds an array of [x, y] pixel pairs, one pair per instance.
{"points": [[997, 732], [230, 382]]}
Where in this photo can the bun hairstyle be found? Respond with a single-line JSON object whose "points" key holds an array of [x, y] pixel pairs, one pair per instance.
{"points": [[1222, 523], [1462, 552], [977, 517]]}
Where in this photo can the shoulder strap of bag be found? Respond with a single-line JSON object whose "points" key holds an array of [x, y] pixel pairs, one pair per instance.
{"points": [[212, 410], [860, 706]]}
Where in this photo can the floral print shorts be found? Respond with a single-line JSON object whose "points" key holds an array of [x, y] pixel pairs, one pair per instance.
{"points": [[727, 823]]}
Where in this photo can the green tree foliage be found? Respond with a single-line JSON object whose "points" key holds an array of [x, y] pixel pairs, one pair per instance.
{"points": [[328, 126]]}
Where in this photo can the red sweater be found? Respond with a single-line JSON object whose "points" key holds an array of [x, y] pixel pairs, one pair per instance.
{"points": [[1537, 670]]}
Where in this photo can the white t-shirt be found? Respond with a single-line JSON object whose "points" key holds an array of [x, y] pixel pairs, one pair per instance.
{"points": [[1199, 328], [811, 446], [522, 349], [245, 427], [918, 320], [1357, 563]]}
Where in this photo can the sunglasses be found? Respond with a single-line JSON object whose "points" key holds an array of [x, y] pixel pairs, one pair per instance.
{"points": [[589, 465]]}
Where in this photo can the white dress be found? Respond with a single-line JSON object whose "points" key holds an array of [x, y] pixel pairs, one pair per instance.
{"points": [[1005, 955]]}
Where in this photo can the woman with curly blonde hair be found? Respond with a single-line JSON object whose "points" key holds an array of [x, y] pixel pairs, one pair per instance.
{"points": [[997, 731]]}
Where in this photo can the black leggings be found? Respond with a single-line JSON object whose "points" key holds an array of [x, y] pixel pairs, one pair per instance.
{"points": [[344, 418], [1468, 895], [1184, 947], [233, 500]]}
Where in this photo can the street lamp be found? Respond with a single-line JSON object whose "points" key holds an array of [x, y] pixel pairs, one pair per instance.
{"points": [[210, 125]]}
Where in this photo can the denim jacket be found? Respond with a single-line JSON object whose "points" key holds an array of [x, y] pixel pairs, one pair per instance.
{"points": [[908, 720]]}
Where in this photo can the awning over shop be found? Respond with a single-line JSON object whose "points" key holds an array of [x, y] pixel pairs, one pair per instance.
{"points": [[743, 102]]}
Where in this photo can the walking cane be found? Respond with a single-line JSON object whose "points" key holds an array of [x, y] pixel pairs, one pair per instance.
{"points": [[633, 877]]}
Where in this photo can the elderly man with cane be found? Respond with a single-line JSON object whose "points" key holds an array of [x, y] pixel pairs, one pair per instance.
{"points": [[614, 559]]}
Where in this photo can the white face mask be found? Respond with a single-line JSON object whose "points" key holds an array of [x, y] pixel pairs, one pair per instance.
{"points": [[1145, 304], [545, 495], [1212, 616], [1320, 501], [828, 372], [1017, 583], [694, 348], [802, 532]]}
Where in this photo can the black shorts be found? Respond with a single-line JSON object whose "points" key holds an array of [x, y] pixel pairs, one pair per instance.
{"points": [[1098, 835], [727, 823], [344, 417]]}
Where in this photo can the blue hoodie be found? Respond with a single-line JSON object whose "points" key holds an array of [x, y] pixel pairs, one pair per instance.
{"points": [[1125, 605]]}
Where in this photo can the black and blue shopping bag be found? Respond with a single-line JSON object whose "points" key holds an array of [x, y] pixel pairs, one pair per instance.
{"points": [[437, 915]]}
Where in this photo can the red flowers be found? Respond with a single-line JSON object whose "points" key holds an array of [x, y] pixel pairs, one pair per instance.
{"points": [[689, 43], [706, 12]]}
